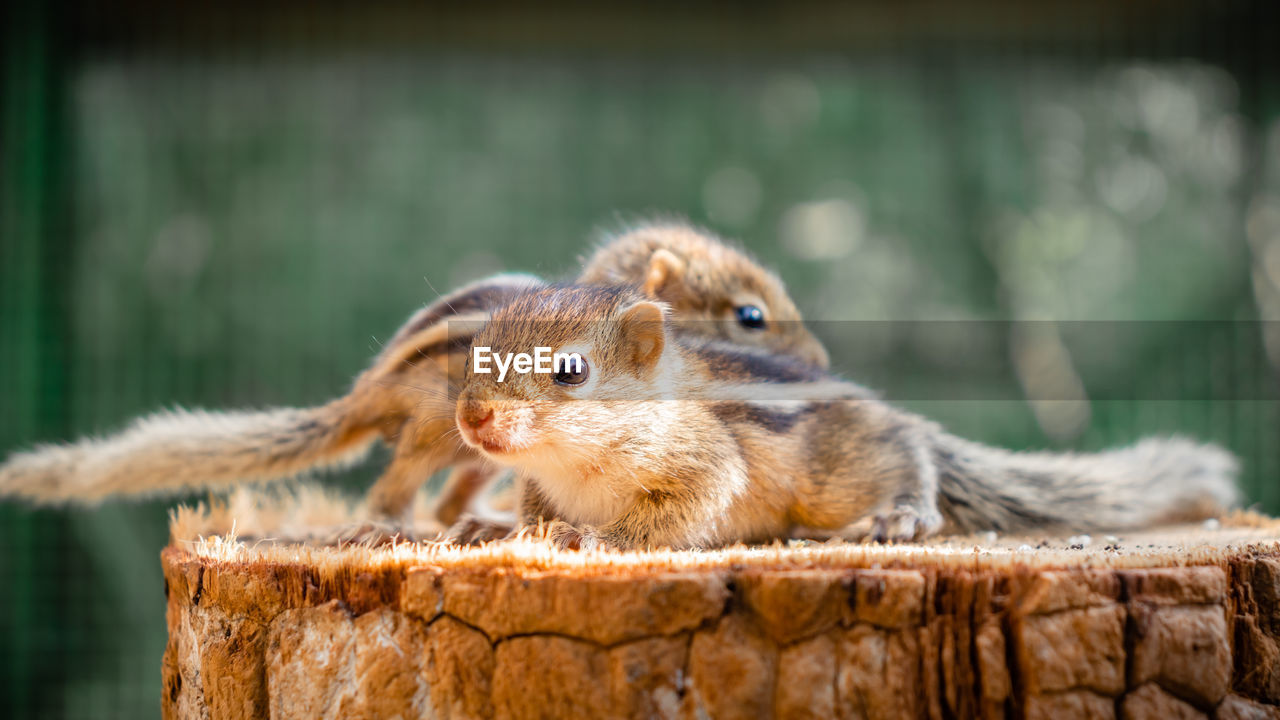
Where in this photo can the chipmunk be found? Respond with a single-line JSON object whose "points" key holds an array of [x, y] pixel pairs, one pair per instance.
{"points": [[404, 396], [662, 439], [713, 290]]}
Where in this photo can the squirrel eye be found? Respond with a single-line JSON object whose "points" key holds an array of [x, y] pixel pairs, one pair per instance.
{"points": [[750, 316], [571, 370]]}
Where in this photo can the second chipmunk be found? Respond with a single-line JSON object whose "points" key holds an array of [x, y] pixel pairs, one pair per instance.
{"points": [[663, 439]]}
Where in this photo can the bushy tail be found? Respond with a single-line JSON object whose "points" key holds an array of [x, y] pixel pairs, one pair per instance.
{"points": [[178, 450], [1155, 481]]}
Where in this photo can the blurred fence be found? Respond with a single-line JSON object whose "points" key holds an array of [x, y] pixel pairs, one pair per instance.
{"points": [[237, 213]]}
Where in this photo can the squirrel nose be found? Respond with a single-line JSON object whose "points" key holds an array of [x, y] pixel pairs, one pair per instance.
{"points": [[477, 418]]}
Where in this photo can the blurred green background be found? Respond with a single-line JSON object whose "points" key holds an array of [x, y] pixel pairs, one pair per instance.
{"points": [[232, 205]]}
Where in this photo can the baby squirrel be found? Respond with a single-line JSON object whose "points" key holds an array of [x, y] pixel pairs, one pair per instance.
{"points": [[404, 396], [712, 289], [663, 439]]}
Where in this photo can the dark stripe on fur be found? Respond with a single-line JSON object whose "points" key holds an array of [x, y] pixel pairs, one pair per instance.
{"points": [[732, 413], [733, 362]]}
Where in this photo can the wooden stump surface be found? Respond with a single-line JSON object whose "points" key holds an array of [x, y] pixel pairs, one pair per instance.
{"points": [[1180, 623]]}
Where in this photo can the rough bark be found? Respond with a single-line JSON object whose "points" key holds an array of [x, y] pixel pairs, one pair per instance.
{"points": [[803, 633]]}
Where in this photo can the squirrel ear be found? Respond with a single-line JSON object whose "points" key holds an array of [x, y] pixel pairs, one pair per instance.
{"points": [[643, 333], [663, 280]]}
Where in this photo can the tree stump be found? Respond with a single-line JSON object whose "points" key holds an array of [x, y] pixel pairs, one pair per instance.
{"points": [[1181, 623]]}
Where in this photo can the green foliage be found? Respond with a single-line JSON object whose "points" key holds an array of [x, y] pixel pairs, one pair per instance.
{"points": [[247, 233]]}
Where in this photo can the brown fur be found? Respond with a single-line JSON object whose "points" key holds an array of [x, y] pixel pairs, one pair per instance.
{"points": [[681, 442], [703, 279]]}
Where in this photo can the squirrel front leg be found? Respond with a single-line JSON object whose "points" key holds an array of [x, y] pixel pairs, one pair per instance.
{"points": [[914, 511], [535, 514], [534, 506], [419, 453], [658, 518], [469, 528], [680, 517], [462, 486], [874, 477]]}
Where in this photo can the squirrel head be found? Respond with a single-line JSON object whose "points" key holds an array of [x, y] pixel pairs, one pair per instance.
{"points": [[716, 290], [605, 354]]}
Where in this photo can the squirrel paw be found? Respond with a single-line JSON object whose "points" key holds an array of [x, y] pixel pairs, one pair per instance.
{"points": [[370, 533], [569, 537], [903, 523], [472, 530]]}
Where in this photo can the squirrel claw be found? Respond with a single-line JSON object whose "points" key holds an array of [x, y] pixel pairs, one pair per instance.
{"points": [[903, 524], [371, 533], [472, 530], [567, 537]]}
